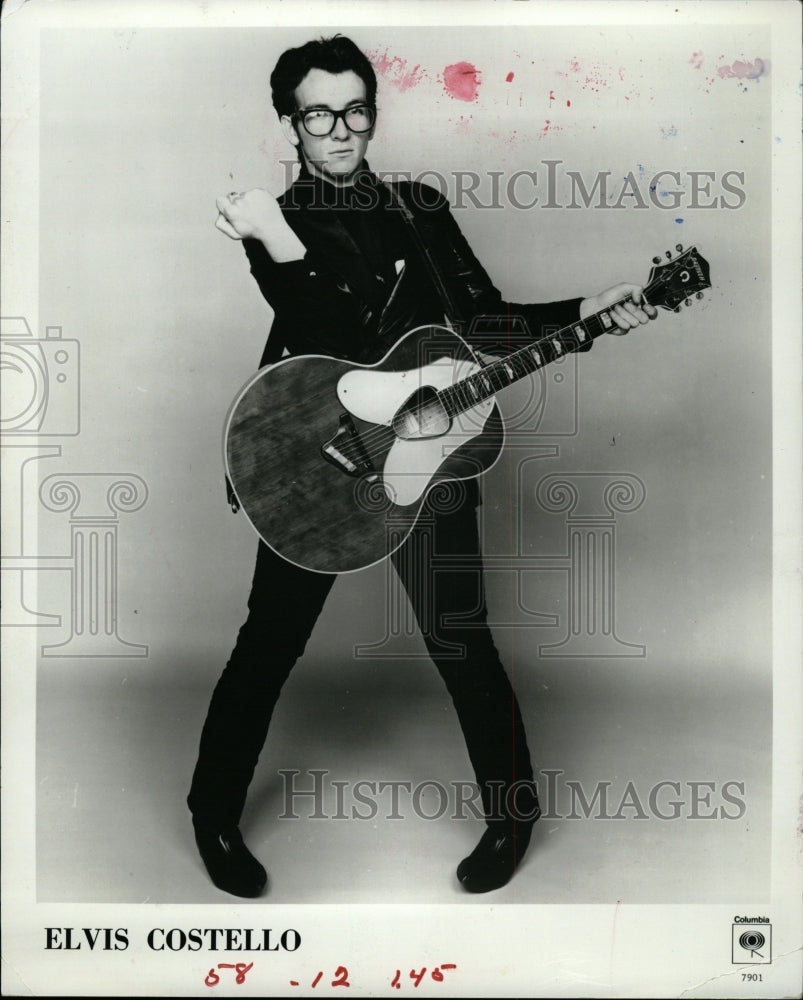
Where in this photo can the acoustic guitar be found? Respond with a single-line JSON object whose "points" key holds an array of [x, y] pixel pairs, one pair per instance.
{"points": [[331, 461]]}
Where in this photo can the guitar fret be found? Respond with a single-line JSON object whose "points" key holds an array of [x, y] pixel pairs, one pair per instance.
{"points": [[663, 289]]}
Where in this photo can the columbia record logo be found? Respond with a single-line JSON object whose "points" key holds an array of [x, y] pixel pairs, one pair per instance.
{"points": [[752, 942]]}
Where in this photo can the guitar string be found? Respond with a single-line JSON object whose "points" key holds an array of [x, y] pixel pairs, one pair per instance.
{"points": [[374, 437]]}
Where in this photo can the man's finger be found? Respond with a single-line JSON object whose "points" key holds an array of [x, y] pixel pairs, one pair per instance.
{"points": [[223, 224], [624, 316], [636, 312]]}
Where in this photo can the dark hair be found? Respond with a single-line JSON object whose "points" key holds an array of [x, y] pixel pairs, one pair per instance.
{"points": [[334, 55]]}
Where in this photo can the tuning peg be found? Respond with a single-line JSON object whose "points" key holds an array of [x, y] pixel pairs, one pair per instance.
{"points": [[656, 260], [699, 295], [669, 254], [688, 302], [678, 247]]}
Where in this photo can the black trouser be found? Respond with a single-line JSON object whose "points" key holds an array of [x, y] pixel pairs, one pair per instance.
{"points": [[440, 568]]}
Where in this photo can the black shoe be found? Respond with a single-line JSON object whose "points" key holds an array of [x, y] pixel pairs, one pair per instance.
{"points": [[231, 866], [494, 860]]}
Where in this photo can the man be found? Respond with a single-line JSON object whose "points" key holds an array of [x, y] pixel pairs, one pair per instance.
{"points": [[348, 265]]}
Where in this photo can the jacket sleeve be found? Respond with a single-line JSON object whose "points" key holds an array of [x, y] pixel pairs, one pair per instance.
{"points": [[493, 325], [314, 313]]}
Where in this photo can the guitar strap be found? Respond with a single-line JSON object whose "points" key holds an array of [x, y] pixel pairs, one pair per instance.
{"points": [[450, 308]]}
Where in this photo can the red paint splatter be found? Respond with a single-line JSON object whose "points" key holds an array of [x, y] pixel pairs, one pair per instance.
{"points": [[461, 81], [509, 78], [549, 126], [396, 70], [696, 59], [568, 104], [551, 97], [743, 70]]}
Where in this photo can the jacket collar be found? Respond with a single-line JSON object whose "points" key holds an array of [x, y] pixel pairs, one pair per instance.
{"points": [[308, 206]]}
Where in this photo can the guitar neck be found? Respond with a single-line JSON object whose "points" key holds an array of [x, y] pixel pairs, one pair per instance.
{"points": [[504, 372]]}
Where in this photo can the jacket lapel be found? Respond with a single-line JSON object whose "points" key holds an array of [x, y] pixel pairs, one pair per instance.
{"points": [[318, 227]]}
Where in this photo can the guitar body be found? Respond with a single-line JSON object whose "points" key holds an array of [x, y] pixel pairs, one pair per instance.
{"points": [[332, 462]]}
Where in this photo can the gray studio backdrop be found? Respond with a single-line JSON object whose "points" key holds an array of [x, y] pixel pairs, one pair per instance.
{"points": [[141, 130]]}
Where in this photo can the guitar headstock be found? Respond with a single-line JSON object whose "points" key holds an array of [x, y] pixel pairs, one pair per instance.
{"points": [[677, 279]]}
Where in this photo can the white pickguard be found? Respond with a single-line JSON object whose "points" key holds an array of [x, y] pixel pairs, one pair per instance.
{"points": [[376, 396]]}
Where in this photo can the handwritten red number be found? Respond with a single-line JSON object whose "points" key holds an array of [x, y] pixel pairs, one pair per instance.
{"points": [[341, 976], [396, 984], [437, 975], [242, 968], [417, 976], [317, 979]]}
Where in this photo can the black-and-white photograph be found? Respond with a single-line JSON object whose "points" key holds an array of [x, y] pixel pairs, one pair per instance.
{"points": [[396, 487]]}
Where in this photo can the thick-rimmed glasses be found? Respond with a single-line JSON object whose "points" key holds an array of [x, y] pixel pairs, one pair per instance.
{"points": [[321, 121]]}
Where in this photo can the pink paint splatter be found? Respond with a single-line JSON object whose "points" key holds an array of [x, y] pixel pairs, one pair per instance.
{"points": [[509, 78], [461, 81], [549, 126], [396, 70], [595, 78], [743, 70], [696, 60]]}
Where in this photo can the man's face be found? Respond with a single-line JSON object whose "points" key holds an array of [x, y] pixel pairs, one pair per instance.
{"points": [[338, 155]]}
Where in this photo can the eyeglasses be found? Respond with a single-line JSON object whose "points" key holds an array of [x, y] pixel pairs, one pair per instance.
{"points": [[321, 121]]}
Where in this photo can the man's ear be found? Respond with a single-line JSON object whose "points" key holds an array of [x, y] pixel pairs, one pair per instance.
{"points": [[289, 130]]}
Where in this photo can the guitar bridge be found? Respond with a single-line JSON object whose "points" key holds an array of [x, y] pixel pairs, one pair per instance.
{"points": [[347, 452]]}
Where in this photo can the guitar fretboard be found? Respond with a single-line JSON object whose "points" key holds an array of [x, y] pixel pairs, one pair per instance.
{"points": [[500, 374]]}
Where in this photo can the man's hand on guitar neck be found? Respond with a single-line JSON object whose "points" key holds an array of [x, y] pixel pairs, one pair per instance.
{"points": [[256, 215], [625, 304]]}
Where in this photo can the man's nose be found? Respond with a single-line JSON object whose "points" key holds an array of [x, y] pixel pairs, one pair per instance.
{"points": [[340, 131]]}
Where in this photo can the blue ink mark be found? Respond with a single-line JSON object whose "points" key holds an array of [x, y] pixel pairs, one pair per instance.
{"points": [[678, 220], [669, 131]]}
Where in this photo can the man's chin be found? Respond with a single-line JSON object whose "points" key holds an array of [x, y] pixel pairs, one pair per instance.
{"points": [[339, 172]]}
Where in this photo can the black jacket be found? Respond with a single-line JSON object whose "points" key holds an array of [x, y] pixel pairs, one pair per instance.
{"points": [[332, 303]]}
